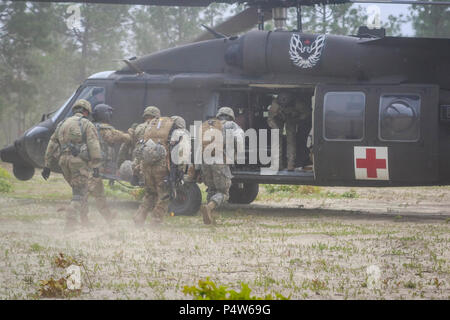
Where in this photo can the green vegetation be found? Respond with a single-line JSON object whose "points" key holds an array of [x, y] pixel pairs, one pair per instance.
{"points": [[208, 290], [269, 191], [5, 184]]}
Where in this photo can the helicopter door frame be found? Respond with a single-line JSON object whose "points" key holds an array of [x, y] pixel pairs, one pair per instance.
{"points": [[376, 135]]}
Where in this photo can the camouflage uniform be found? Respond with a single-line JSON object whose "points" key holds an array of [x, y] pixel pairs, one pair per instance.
{"points": [[156, 198], [126, 149], [109, 137], [76, 133], [217, 177], [137, 137], [292, 115]]}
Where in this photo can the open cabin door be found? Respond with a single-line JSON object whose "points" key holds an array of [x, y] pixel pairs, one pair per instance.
{"points": [[376, 135]]}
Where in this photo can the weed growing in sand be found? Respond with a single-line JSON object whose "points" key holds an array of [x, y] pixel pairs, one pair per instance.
{"points": [[5, 185], [208, 290], [350, 194]]}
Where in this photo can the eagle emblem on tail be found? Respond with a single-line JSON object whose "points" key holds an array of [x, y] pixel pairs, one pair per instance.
{"points": [[305, 54]]}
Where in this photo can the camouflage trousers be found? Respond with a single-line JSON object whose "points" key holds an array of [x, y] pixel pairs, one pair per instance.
{"points": [[76, 173], [291, 144], [97, 190], [156, 198], [217, 177]]}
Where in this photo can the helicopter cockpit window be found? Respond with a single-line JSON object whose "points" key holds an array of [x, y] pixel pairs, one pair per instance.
{"points": [[344, 115], [399, 117], [94, 95]]}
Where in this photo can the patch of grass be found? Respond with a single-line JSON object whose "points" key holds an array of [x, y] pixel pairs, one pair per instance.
{"points": [[410, 285], [302, 190], [117, 190], [36, 247], [208, 290], [350, 194], [5, 186], [4, 174]]}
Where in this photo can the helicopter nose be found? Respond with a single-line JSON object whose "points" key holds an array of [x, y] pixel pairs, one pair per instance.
{"points": [[35, 143]]}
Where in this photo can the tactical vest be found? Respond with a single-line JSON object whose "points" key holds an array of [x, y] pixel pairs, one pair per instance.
{"points": [[72, 137], [109, 164], [159, 130], [211, 124]]}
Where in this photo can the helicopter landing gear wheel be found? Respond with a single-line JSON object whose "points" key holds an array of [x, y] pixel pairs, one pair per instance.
{"points": [[188, 200], [23, 172], [243, 193]]}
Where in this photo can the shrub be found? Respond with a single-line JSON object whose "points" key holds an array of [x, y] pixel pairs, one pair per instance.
{"points": [[5, 186], [208, 290], [4, 174]]}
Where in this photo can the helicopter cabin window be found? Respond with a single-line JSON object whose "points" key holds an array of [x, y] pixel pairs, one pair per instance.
{"points": [[95, 95], [344, 115], [399, 117]]}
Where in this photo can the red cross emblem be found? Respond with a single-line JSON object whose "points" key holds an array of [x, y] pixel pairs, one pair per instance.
{"points": [[371, 163]]}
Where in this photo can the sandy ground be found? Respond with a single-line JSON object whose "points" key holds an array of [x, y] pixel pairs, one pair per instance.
{"points": [[305, 247]]}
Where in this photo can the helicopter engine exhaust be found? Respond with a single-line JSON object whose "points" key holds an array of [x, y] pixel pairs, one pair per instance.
{"points": [[280, 18]]}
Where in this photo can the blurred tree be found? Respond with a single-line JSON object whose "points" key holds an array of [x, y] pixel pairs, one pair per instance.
{"points": [[25, 31], [430, 21], [338, 19]]}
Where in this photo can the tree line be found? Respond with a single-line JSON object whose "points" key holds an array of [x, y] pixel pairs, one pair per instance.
{"points": [[46, 51]]}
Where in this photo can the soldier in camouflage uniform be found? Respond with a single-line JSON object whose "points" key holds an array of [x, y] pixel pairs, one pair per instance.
{"points": [[160, 131], [126, 149], [217, 177], [137, 139], [108, 137], [290, 111], [76, 146]]}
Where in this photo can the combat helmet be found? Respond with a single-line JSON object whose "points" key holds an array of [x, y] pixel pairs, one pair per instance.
{"points": [[179, 122], [102, 113], [225, 111], [151, 111], [284, 98], [82, 104]]}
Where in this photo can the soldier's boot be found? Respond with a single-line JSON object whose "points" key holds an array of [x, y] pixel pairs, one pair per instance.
{"points": [[139, 218], [208, 213]]}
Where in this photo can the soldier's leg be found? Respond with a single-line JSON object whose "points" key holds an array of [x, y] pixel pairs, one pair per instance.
{"points": [[160, 173], [222, 182], [208, 180], [149, 200], [80, 187], [291, 128], [303, 129], [97, 190], [148, 203]]}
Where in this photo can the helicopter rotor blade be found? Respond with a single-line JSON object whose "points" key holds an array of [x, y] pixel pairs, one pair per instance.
{"points": [[243, 21], [183, 3], [438, 3]]}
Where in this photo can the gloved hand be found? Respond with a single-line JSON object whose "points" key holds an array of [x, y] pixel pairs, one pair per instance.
{"points": [[45, 173], [96, 173], [134, 180]]}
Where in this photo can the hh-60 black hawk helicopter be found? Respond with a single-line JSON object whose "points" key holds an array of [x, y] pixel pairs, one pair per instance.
{"points": [[381, 105]]}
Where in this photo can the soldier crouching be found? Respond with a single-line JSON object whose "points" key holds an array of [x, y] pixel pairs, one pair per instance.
{"points": [[155, 164], [217, 177]]}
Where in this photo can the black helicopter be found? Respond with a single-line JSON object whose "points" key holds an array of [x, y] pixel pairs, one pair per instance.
{"points": [[381, 105]]}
